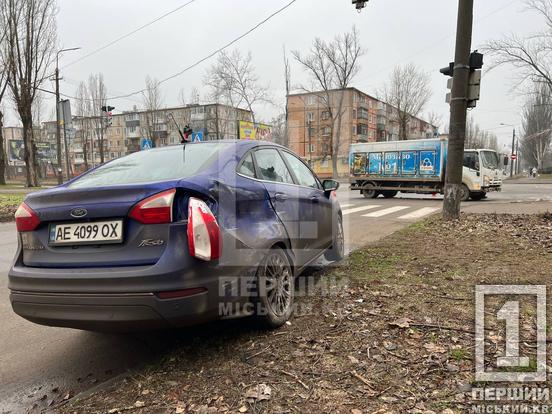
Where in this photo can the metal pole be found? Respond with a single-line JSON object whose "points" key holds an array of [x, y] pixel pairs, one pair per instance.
{"points": [[309, 123], [458, 111], [58, 131], [518, 158], [65, 143], [511, 157]]}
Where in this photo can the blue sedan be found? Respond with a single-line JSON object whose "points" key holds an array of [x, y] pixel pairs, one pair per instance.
{"points": [[174, 236]]}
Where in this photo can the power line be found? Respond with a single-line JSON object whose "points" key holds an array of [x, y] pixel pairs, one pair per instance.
{"points": [[128, 34], [210, 55]]}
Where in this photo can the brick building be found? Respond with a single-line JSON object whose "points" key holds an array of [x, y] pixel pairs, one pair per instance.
{"points": [[364, 119]]}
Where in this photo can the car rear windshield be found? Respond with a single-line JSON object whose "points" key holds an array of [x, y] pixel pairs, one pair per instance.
{"points": [[159, 164]]}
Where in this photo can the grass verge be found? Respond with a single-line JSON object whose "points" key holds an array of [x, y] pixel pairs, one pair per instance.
{"points": [[394, 334]]}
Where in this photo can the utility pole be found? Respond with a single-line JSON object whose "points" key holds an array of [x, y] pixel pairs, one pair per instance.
{"points": [[309, 123], [458, 111], [512, 155], [59, 169], [58, 129]]}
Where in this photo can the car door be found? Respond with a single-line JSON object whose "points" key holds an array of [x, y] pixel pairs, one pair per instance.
{"points": [[283, 192], [316, 208]]}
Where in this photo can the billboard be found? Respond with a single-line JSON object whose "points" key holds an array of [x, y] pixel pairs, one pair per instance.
{"points": [[249, 130], [16, 152]]}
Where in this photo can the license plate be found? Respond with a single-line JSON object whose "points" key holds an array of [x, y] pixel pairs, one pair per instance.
{"points": [[98, 232]]}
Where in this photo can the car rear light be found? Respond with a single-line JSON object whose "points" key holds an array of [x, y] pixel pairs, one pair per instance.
{"points": [[204, 241], [156, 209], [25, 218]]}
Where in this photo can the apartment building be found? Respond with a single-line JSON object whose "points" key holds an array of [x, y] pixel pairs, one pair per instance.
{"points": [[364, 119]]}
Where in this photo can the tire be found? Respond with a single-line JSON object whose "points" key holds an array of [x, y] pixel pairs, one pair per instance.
{"points": [[337, 251], [275, 290], [477, 196], [370, 193], [464, 193], [389, 193]]}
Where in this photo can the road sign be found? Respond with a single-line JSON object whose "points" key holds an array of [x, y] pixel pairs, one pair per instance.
{"points": [[145, 144], [197, 136], [513, 156]]}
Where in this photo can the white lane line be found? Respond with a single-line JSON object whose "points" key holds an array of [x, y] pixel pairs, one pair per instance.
{"points": [[346, 205], [385, 211], [356, 210], [419, 213]]}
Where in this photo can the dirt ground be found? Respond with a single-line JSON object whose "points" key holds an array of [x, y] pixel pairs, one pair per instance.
{"points": [[390, 330]]}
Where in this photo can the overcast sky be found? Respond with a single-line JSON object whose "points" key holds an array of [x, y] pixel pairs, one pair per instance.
{"points": [[392, 32]]}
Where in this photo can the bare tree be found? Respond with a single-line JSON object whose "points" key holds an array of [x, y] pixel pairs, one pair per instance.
{"points": [[83, 112], [477, 138], [153, 101], [3, 90], [408, 93], [537, 124], [532, 55], [434, 119], [232, 78], [30, 30], [98, 97], [287, 78], [332, 66]]}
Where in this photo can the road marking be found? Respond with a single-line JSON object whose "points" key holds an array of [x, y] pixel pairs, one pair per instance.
{"points": [[419, 213], [385, 211], [356, 210], [346, 205]]}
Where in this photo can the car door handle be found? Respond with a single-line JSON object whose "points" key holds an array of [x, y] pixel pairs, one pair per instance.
{"points": [[280, 197], [314, 199]]}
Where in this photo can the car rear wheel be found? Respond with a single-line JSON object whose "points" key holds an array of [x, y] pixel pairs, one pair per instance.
{"points": [[337, 251], [276, 289]]}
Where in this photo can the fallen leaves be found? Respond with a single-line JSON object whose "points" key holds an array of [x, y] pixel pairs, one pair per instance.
{"points": [[260, 392]]}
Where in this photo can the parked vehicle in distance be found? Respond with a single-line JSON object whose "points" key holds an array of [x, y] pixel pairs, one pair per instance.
{"points": [[418, 166], [169, 236]]}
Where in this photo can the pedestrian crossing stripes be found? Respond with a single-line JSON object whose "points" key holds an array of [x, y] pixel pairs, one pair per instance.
{"points": [[419, 213], [358, 209], [416, 212], [385, 211]]}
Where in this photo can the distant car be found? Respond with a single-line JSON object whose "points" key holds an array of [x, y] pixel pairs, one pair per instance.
{"points": [[166, 237]]}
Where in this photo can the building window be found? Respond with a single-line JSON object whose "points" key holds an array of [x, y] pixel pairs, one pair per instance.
{"points": [[362, 129], [354, 129], [324, 164], [326, 131], [310, 116], [325, 115], [311, 100], [312, 148], [362, 113]]}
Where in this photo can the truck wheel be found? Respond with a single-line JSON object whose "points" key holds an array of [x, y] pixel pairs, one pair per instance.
{"points": [[389, 193], [464, 193], [370, 193], [477, 196]]}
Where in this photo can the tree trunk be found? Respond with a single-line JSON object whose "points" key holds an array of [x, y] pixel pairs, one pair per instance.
{"points": [[29, 154], [2, 152], [337, 137]]}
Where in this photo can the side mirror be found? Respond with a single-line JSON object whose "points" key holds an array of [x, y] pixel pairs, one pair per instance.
{"points": [[329, 186]]}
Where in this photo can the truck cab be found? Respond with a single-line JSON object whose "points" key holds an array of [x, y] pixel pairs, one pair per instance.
{"points": [[481, 172]]}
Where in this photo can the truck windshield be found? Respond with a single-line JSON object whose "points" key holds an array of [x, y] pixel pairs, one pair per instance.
{"points": [[489, 159]]}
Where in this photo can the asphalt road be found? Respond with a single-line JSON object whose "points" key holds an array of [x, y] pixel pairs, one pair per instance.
{"points": [[40, 364]]}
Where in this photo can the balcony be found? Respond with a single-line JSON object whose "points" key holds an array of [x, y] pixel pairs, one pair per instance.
{"points": [[132, 132]]}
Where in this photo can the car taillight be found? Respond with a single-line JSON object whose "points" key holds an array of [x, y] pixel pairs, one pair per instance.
{"points": [[25, 218], [156, 209], [204, 240]]}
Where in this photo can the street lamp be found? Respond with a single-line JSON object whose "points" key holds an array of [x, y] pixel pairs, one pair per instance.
{"points": [[513, 148], [58, 131]]}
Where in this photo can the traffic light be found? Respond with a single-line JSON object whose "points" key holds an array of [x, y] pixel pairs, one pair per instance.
{"points": [[187, 132], [107, 108], [474, 83], [360, 4], [109, 119]]}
